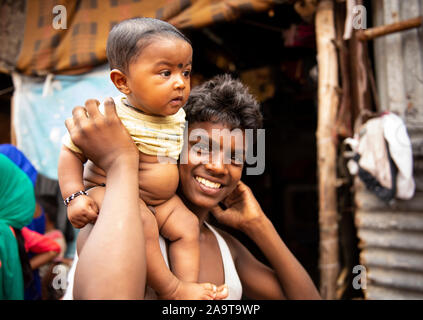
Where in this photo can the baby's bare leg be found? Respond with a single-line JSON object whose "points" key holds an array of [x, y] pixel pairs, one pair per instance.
{"points": [[180, 226], [159, 276]]}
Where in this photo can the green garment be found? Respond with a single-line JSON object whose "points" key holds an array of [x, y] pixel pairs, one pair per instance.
{"points": [[17, 206]]}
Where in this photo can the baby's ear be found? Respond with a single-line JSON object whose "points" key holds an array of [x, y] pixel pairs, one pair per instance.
{"points": [[119, 79]]}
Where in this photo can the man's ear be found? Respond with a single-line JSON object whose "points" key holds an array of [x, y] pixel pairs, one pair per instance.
{"points": [[119, 79]]}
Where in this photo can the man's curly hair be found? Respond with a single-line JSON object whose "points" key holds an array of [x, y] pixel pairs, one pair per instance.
{"points": [[223, 99]]}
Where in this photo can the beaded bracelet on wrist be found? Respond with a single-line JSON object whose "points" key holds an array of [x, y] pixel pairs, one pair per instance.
{"points": [[73, 196]]}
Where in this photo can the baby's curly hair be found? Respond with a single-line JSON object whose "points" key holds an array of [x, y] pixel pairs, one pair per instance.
{"points": [[223, 99]]}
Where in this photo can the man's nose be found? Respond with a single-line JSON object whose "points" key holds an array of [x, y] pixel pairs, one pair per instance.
{"points": [[216, 164]]}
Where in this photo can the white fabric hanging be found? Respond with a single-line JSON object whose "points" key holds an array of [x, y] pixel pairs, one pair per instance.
{"points": [[388, 129]]}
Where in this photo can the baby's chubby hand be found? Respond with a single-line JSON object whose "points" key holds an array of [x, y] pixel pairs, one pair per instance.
{"points": [[82, 210]]}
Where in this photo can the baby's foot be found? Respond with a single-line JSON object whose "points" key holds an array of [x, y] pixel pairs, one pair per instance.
{"points": [[221, 292], [192, 291]]}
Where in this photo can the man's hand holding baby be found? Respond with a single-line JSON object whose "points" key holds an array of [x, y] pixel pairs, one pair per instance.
{"points": [[114, 140]]}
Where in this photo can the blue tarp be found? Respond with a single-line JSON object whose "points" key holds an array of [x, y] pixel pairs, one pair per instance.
{"points": [[41, 106]]}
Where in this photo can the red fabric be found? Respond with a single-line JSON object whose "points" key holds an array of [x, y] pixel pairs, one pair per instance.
{"points": [[54, 234], [37, 243]]}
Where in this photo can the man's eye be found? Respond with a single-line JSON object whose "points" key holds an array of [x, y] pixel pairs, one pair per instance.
{"points": [[237, 158], [201, 147]]}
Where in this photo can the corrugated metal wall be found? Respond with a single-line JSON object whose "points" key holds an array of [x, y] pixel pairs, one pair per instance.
{"points": [[391, 238]]}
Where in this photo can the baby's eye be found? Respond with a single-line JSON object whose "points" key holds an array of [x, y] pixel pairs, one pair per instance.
{"points": [[165, 73], [186, 73]]}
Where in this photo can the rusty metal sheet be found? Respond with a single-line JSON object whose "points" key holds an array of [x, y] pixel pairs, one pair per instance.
{"points": [[396, 278], [392, 259], [407, 221], [390, 239], [374, 292]]}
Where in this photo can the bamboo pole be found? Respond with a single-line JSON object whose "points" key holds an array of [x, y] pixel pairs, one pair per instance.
{"points": [[326, 148], [379, 31], [13, 139]]}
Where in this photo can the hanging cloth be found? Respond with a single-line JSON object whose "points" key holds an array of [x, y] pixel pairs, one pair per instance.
{"points": [[383, 157]]}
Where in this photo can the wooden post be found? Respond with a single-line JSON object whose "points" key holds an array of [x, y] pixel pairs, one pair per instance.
{"points": [[344, 117], [379, 31], [326, 147], [13, 139]]}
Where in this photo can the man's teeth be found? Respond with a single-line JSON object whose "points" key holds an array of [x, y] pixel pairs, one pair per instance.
{"points": [[208, 183]]}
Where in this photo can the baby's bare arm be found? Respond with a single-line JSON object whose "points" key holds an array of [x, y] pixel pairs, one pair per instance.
{"points": [[70, 172], [82, 209]]}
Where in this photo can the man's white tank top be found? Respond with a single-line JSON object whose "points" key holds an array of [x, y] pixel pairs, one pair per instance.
{"points": [[231, 275]]}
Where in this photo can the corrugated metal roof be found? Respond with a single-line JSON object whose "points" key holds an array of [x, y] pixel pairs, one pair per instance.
{"points": [[391, 237]]}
